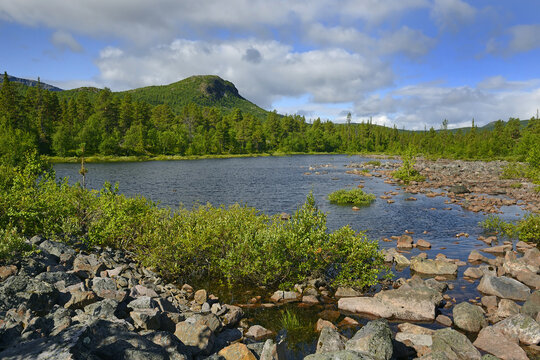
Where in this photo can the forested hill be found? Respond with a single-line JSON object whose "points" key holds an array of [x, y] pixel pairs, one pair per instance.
{"points": [[143, 122], [28, 82], [202, 90]]}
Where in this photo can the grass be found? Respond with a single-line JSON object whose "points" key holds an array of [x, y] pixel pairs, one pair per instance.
{"points": [[355, 197]]}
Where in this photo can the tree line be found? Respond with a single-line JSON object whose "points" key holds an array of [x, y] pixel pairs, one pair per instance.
{"points": [[108, 124]]}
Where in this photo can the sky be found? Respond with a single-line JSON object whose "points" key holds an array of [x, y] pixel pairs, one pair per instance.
{"points": [[409, 63]]}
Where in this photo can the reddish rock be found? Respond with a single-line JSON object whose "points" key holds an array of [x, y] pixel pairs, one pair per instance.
{"points": [[495, 343], [7, 271], [257, 332], [348, 322], [237, 351], [405, 242], [330, 315], [323, 323], [443, 320], [423, 243]]}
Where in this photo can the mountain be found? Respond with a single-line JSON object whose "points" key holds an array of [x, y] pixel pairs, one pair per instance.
{"points": [[203, 90], [28, 82]]}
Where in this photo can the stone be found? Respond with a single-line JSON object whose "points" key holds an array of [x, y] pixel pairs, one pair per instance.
{"points": [[507, 308], [503, 287], [104, 309], [232, 316], [88, 263], [197, 337], [415, 329], [237, 351], [501, 249], [7, 271], [454, 343], [529, 278], [375, 339], [139, 290], [330, 341], [475, 256], [531, 306], [443, 320], [143, 303], [258, 333], [330, 315], [473, 272], [342, 292], [56, 248], [59, 279], [284, 296], [495, 343], [339, 355], [415, 304], [269, 351], [489, 302], [469, 317], [348, 322], [38, 296], [436, 285], [532, 258], [423, 244], [433, 267], [522, 327], [365, 305], [149, 319], [80, 299], [310, 299], [200, 296], [400, 260], [405, 242], [417, 340], [321, 324]]}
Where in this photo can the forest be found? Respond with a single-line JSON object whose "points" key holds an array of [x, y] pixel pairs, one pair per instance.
{"points": [[114, 124]]}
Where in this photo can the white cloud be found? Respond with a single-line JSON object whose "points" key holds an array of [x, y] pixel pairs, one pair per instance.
{"points": [[516, 39], [426, 105], [330, 75], [63, 41], [404, 40], [450, 14], [500, 83]]}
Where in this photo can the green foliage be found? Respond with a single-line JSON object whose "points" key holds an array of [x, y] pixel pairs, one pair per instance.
{"points": [[514, 170], [351, 197], [516, 185], [407, 172], [373, 163], [526, 229], [234, 244], [12, 244]]}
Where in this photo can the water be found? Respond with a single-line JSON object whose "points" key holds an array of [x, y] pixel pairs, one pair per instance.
{"points": [[280, 184]]}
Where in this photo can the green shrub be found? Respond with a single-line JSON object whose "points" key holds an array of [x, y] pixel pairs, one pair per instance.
{"points": [[11, 244], [351, 197], [407, 172], [373, 163], [526, 229], [514, 170], [516, 185]]}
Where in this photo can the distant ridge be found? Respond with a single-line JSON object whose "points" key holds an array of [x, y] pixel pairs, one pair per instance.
{"points": [[28, 82]]}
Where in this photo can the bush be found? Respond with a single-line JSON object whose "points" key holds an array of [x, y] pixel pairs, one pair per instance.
{"points": [[11, 244], [235, 244], [407, 172], [373, 163], [526, 229], [351, 197]]}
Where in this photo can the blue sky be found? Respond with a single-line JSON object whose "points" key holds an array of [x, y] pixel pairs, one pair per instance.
{"points": [[411, 63]]}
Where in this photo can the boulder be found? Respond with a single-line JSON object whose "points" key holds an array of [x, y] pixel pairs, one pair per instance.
{"points": [[473, 272], [405, 242], [375, 339], [149, 319], [423, 244], [104, 309], [56, 248], [416, 304], [469, 317], [497, 250], [143, 303], [237, 351], [7, 271], [504, 287], [330, 341], [106, 288], [321, 324], [38, 296], [507, 308], [433, 267], [365, 305], [232, 316], [258, 333], [59, 279], [529, 278], [531, 306], [198, 338], [88, 263], [520, 326], [200, 296], [495, 343], [139, 290], [475, 256], [284, 296], [400, 260], [80, 299], [346, 292], [455, 344]]}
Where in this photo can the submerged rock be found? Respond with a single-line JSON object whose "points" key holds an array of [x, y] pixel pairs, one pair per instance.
{"points": [[433, 267]]}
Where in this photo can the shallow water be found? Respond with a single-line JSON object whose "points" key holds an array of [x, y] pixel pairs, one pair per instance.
{"points": [[279, 184]]}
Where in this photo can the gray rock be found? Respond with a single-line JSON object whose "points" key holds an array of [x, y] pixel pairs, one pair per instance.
{"points": [[280, 296], [433, 267], [346, 292], [139, 290], [56, 248], [414, 304], [504, 287], [106, 288], [436, 285], [507, 308], [330, 341], [340, 355], [149, 319], [226, 338], [375, 338], [88, 263], [104, 309], [458, 189], [169, 342], [143, 303], [269, 351], [36, 295], [469, 317], [59, 279], [80, 299], [232, 316], [531, 306], [455, 344], [522, 327]]}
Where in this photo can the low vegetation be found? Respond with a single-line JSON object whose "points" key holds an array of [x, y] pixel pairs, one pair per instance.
{"points": [[351, 197], [526, 229], [235, 244], [407, 172]]}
